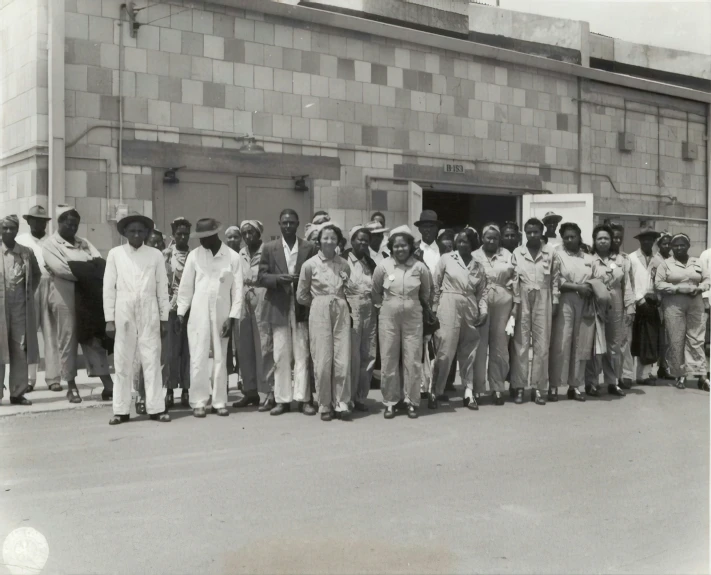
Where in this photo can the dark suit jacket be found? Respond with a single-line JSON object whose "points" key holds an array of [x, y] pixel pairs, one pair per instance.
{"points": [[272, 264]]}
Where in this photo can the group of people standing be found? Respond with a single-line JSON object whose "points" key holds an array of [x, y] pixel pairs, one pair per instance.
{"points": [[296, 316]]}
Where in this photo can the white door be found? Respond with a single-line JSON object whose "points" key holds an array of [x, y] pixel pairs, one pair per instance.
{"points": [[414, 206], [576, 208]]}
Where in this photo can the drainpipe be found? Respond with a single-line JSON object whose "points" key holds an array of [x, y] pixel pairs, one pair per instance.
{"points": [[120, 103], [55, 55]]}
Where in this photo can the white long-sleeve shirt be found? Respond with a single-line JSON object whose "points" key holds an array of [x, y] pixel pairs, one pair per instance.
{"points": [[212, 279], [642, 271], [35, 244], [705, 260], [431, 255], [135, 275]]}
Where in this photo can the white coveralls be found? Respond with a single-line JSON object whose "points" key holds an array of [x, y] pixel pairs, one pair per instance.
{"points": [[51, 352], [684, 315], [359, 293], [401, 288], [211, 288], [136, 300], [535, 289], [493, 340], [322, 286], [461, 293]]}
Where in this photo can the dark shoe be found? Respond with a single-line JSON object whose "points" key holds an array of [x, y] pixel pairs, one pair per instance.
{"points": [[20, 400], [185, 398], [680, 383], [246, 401], [140, 407], [307, 408], [615, 390], [107, 394], [358, 406], [221, 411], [498, 398], [649, 381], [592, 390], [519, 396], [400, 405], [389, 412], [268, 404], [537, 398], [169, 399], [553, 394], [326, 416], [55, 387], [663, 373], [344, 415], [432, 403], [162, 417], [280, 408], [199, 412], [424, 395], [703, 383], [412, 412], [625, 383], [574, 393], [512, 391], [30, 387], [73, 396], [116, 419], [470, 403]]}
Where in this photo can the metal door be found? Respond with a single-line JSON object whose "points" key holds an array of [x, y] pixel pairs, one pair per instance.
{"points": [[576, 208], [264, 198]]}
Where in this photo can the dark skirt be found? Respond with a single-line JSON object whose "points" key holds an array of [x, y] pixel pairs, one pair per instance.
{"points": [[645, 333]]}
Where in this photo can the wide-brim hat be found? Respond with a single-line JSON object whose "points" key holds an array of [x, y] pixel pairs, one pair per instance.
{"points": [[37, 212], [647, 231], [134, 217], [376, 227], [405, 230], [428, 217], [552, 217], [206, 227]]}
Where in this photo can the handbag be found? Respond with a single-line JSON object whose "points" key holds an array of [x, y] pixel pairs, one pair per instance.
{"points": [[430, 322]]}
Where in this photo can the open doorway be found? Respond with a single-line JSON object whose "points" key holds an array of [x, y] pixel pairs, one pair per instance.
{"points": [[457, 210]]}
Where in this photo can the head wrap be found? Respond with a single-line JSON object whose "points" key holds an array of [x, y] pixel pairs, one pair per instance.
{"points": [[181, 221], [64, 210], [11, 219], [681, 235], [311, 229], [320, 219], [355, 229], [491, 228], [233, 228], [665, 234], [256, 224]]}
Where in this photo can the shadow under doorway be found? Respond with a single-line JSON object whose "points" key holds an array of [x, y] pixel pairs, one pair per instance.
{"points": [[457, 210]]}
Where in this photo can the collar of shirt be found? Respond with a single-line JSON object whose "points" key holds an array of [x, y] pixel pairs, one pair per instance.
{"points": [[324, 258], [523, 252], [411, 261], [223, 251], [353, 259], [244, 252], [7, 250], [691, 261], [433, 247], [579, 254], [79, 244], [289, 250]]}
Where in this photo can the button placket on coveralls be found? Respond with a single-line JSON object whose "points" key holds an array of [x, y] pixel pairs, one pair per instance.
{"points": [[363, 332], [535, 289], [493, 341], [256, 344], [460, 299], [573, 331], [400, 287], [684, 315], [322, 286], [15, 280]]}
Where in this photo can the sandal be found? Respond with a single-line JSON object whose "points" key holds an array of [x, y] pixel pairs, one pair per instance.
{"points": [[141, 406], [55, 387], [73, 396]]}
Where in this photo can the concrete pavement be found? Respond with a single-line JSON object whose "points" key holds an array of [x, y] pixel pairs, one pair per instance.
{"points": [[613, 486]]}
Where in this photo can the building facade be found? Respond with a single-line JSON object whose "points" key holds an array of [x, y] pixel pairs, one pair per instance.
{"points": [[389, 106]]}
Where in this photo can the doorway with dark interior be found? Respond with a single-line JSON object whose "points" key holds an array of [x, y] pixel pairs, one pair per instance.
{"points": [[457, 210]]}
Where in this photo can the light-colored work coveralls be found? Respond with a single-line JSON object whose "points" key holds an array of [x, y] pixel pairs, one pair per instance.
{"points": [[492, 335], [256, 343], [136, 300], [62, 324], [359, 293], [211, 288], [51, 353], [613, 272], [684, 315], [322, 287], [573, 334], [460, 298], [401, 288], [535, 289]]}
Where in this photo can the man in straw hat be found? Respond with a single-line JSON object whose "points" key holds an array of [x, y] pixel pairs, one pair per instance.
{"points": [[18, 328], [256, 341], [211, 288], [37, 218], [551, 221], [136, 312], [376, 249], [643, 267]]}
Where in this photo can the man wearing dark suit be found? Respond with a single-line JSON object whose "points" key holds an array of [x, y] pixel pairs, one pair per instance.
{"points": [[279, 271]]}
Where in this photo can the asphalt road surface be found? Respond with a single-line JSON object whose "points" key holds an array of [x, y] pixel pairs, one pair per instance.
{"points": [[609, 486]]}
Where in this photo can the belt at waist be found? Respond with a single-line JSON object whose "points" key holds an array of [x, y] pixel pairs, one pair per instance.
{"points": [[453, 292]]}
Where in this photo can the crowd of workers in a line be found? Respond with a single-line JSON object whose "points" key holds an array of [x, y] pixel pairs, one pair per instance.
{"points": [[324, 314]]}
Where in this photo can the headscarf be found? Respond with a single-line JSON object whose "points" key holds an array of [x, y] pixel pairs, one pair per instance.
{"points": [[490, 228], [320, 219], [235, 228], [664, 234], [180, 222], [12, 219], [355, 229], [681, 235], [256, 224]]}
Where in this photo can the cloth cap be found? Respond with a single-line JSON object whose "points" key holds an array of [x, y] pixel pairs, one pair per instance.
{"points": [[64, 208], [206, 227], [12, 219], [355, 229], [256, 224], [133, 217], [405, 230], [428, 217], [37, 212]]}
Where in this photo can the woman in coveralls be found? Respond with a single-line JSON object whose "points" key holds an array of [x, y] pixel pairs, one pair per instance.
{"points": [[403, 285], [322, 286], [680, 281]]}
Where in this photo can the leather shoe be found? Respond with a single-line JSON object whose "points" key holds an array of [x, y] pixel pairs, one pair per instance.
{"points": [[162, 417], [140, 407], [221, 411], [343, 415], [592, 390], [280, 408], [326, 416], [537, 398], [498, 398], [73, 396], [519, 396], [615, 390], [553, 394], [20, 400], [359, 406], [412, 412], [470, 403], [432, 403], [117, 419], [574, 393], [199, 412], [169, 399], [55, 387], [625, 383], [389, 412], [185, 398], [246, 401], [268, 404], [307, 408]]}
